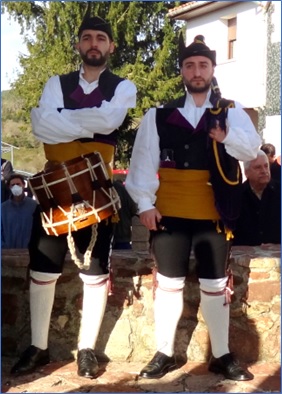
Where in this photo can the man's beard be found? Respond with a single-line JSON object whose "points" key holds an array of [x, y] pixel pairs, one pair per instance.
{"points": [[94, 61], [197, 89]]}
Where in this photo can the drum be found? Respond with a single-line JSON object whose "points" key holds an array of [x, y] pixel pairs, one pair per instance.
{"points": [[75, 194]]}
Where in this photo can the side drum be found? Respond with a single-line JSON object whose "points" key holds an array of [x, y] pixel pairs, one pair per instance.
{"points": [[75, 194]]}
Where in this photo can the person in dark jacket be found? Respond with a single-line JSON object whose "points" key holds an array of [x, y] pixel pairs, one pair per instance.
{"points": [[275, 166], [6, 171], [16, 215], [259, 220]]}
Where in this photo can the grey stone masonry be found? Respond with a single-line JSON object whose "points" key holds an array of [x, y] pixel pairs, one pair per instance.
{"points": [[127, 332]]}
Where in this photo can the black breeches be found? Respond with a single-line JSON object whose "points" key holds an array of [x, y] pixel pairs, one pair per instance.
{"points": [[47, 253], [172, 248]]}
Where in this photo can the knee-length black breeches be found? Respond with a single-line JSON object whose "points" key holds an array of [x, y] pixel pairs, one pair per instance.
{"points": [[47, 253], [172, 247]]}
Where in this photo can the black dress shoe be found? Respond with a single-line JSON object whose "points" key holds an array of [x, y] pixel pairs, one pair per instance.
{"points": [[31, 358], [87, 363], [158, 366], [228, 366]]}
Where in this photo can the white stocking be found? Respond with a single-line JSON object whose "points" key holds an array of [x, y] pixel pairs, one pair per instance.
{"points": [[42, 293], [168, 308], [216, 314], [95, 294]]}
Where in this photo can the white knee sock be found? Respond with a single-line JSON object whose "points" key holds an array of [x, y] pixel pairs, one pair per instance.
{"points": [[168, 308], [95, 294], [42, 293], [216, 314]]}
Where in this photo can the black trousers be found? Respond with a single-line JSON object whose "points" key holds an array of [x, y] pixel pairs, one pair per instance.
{"points": [[47, 253], [171, 248]]}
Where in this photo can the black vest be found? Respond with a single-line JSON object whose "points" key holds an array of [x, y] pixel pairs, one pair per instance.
{"points": [[75, 98], [189, 148]]}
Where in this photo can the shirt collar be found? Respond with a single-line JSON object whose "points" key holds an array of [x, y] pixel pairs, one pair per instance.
{"points": [[81, 72], [190, 101]]}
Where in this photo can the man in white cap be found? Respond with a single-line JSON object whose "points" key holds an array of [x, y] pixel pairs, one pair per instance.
{"points": [[194, 144]]}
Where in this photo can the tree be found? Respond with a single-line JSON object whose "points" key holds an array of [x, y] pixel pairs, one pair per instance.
{"points": [[146, 50]]}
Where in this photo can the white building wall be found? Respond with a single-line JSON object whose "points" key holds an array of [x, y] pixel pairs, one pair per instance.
{"points": [[276, 20], [243, 78], [272, 131]]}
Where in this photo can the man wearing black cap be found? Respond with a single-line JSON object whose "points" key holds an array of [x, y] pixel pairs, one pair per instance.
{"points": [[194, 144], [79, 113]]}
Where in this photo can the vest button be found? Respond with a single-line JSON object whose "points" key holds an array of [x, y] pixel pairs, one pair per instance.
{"points": [[186, 164], [186, 146]]}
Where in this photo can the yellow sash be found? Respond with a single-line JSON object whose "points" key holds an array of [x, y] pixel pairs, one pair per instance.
{"points": [[58, 153], [186, 194]]}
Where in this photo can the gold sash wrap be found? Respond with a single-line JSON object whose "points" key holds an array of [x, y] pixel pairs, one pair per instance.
{"points": [[58, 153], [186, 194]]}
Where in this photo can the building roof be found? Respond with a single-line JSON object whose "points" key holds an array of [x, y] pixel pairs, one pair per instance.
{"points": [[193, 9]]}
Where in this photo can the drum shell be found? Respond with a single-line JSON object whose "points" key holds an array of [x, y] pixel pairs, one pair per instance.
{"points": [[70, 184]]}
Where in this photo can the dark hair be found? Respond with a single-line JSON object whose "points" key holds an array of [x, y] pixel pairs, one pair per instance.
{"points": [[269, 149], [15, 175]]}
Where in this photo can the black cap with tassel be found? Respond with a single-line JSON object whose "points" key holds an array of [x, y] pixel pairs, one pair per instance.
{"points": [[197, 48]]}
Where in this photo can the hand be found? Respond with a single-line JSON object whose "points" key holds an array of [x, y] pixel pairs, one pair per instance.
{"points": [[150, 218], [217, 133]]}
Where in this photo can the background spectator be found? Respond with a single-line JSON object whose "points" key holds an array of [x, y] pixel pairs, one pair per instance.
{"points": [[259, 220], [17, 215], [6, 172], [6, 169], [275, 166], [123, 229]]}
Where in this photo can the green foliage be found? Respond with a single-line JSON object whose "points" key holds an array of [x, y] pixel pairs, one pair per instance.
{"points": [[146, 52], [11, 104], [27, 159]]}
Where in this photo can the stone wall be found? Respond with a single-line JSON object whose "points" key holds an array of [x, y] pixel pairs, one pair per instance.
{"points": [[128, 328], [140, 235]]}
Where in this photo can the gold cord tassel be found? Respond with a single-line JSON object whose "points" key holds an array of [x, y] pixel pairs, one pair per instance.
{"points": [[229, 234], [227, 231], [218, 229], [115, 218]]}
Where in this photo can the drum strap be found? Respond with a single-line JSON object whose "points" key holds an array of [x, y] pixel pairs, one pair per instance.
{"points": [[85, 264]]}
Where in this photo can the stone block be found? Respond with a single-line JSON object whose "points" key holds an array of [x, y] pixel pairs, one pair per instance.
{"points": [[264, 291]]}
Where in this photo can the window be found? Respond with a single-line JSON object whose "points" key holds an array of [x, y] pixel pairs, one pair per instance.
{"points": [[232, 35]]}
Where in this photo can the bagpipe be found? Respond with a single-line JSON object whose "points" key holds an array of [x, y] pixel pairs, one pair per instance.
{"points": [[226, 176]]}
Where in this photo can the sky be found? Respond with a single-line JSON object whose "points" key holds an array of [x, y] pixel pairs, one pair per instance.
{"points": [[11, 46]]}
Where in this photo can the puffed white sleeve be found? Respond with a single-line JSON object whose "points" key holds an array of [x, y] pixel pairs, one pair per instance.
{"points": [[142, 181], [48, 124], [242, 140], [51, 124]]}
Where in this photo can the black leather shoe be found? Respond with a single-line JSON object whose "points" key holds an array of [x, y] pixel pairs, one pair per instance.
{"points": [[228, 366], [31, 358], [158, 366], [87, 363]]}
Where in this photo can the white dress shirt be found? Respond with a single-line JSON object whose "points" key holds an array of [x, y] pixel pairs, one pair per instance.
{"points": [[242, 142], [51, 126]]}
